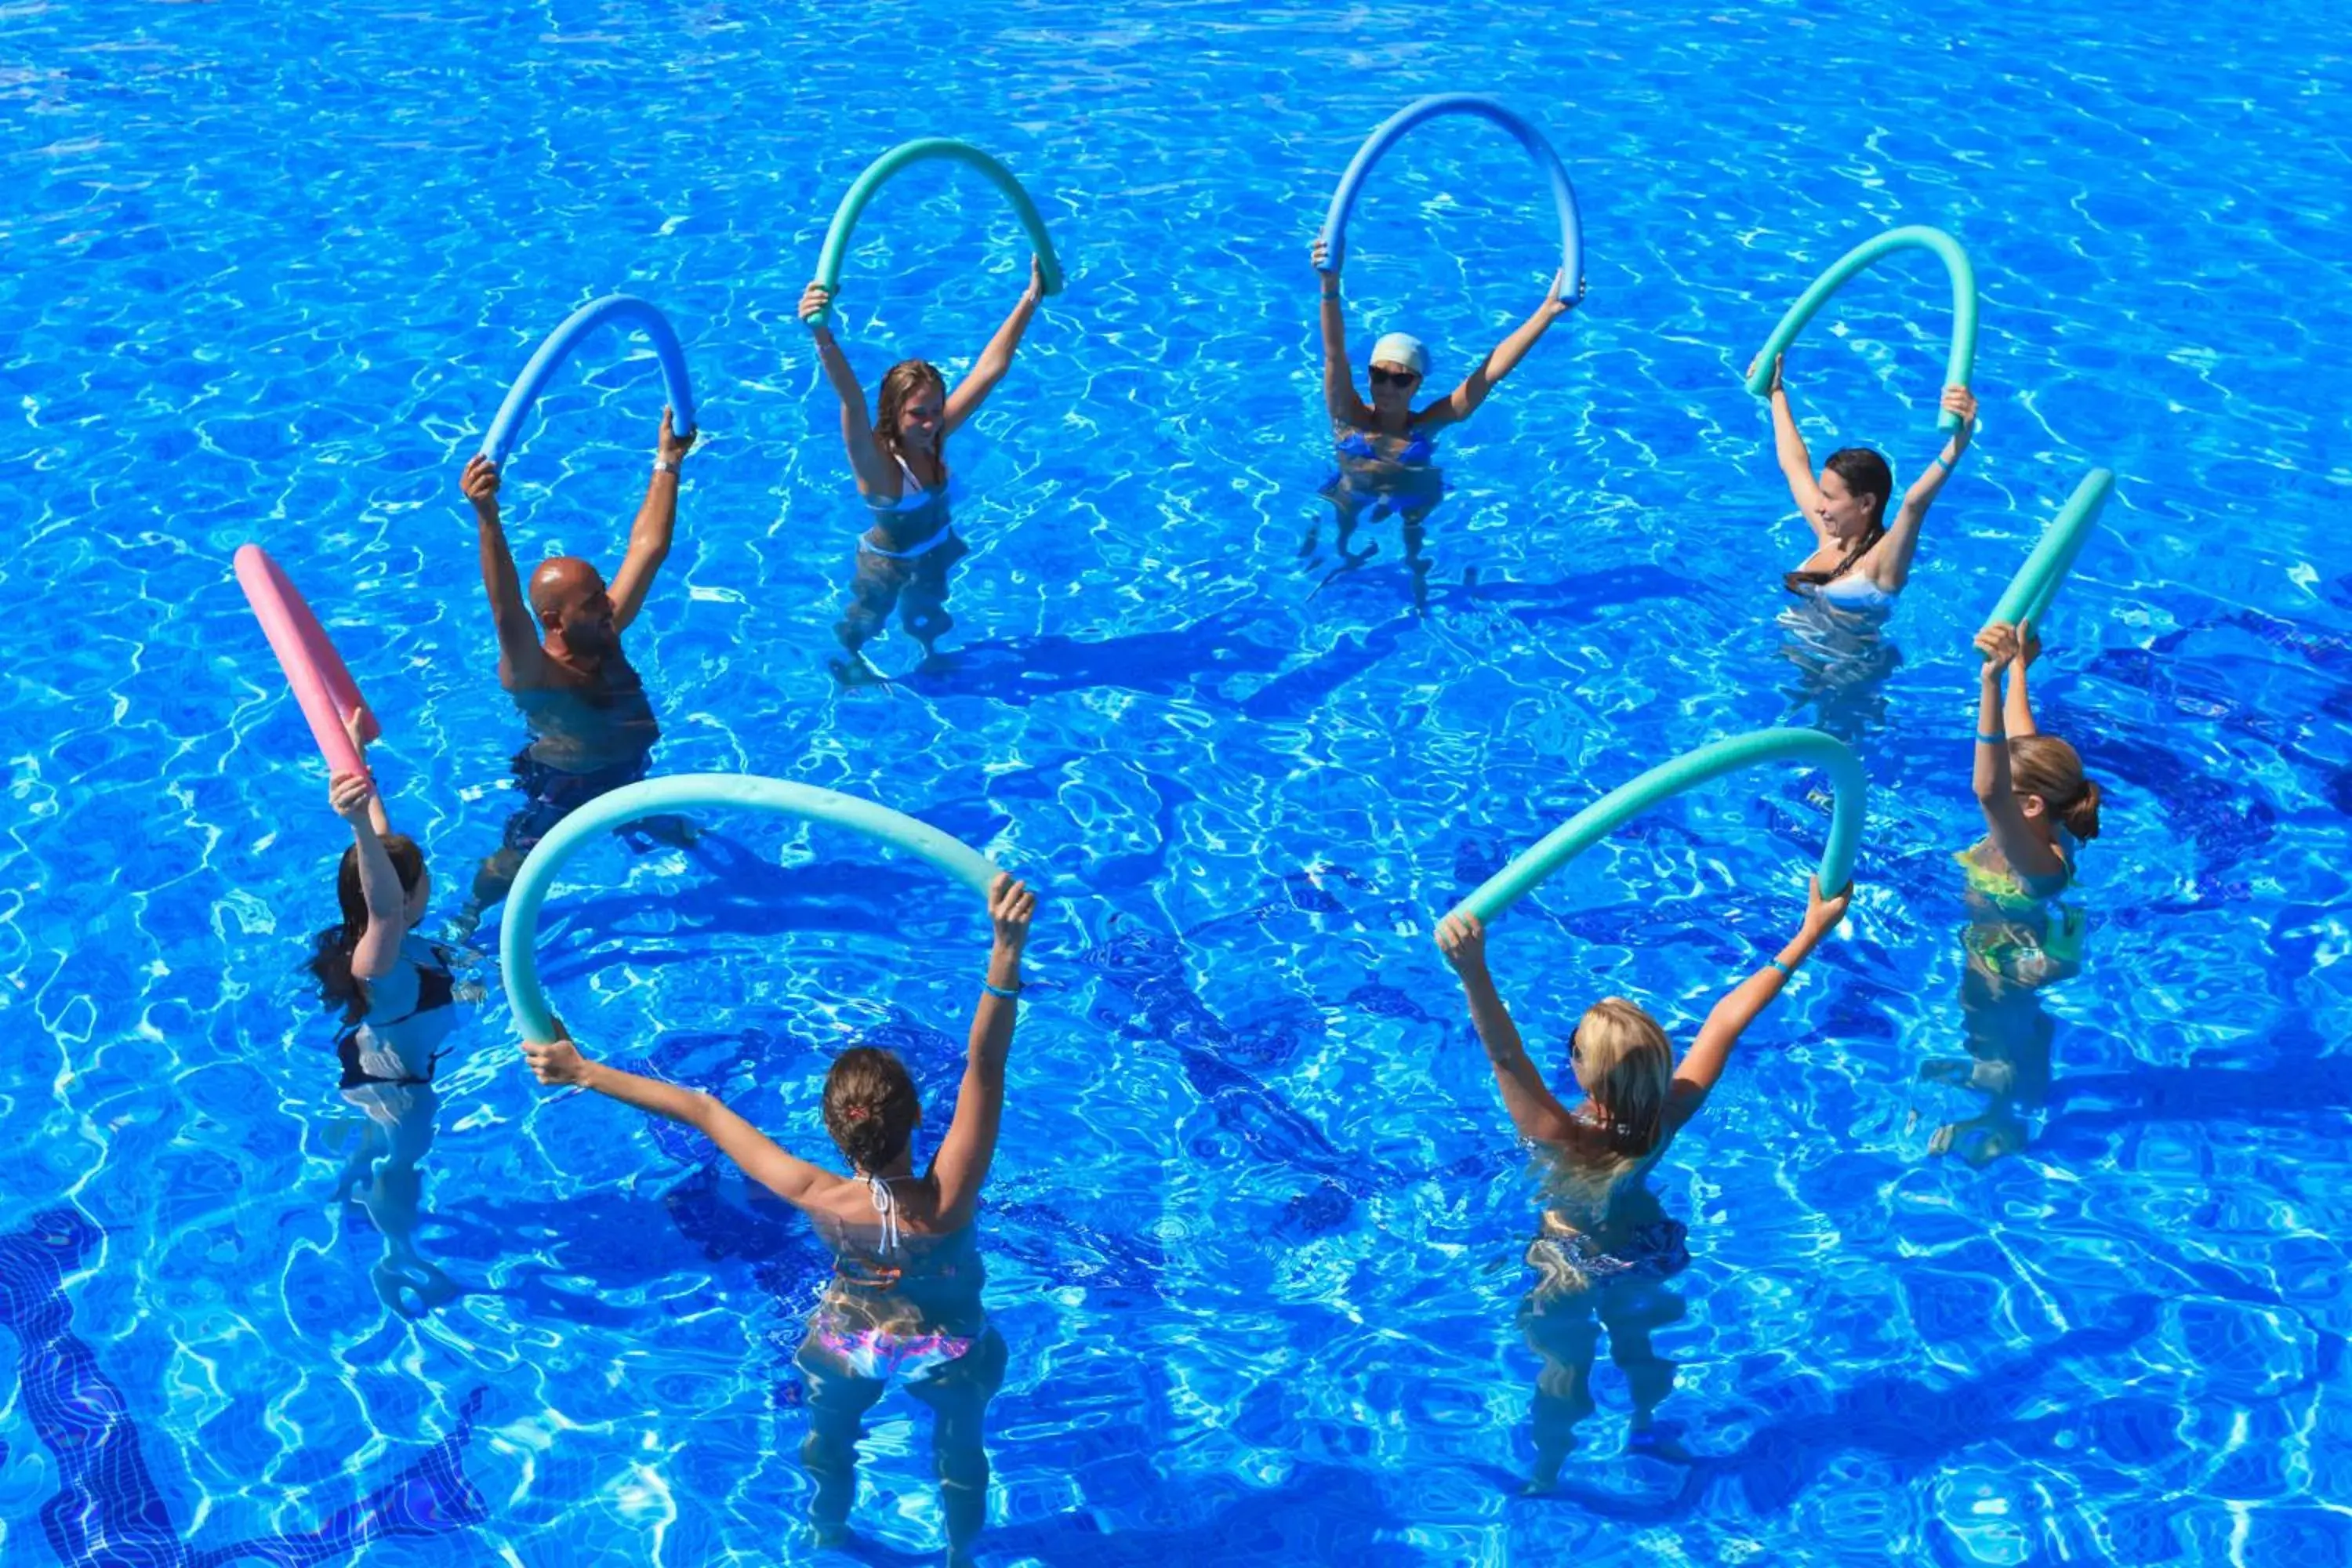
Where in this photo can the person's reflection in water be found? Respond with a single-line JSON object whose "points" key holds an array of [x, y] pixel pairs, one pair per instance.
{"points": [[396, 1000], [905, 1300], [592, 726], [1842, 659], [2019, 939]]}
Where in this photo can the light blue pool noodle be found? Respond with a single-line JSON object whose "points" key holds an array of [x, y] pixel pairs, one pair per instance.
{"points": [[1563, 193], [1959, 365], [518, 935], [616, 308], [2029, 593], [906, 155], [1621, 805]]}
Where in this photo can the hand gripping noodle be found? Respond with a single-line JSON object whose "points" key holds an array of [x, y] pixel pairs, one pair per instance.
{"points": [[518, 935], [1627, 801]]}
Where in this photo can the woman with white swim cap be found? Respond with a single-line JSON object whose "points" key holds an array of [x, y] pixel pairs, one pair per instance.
{"points": [[1386, 447]]}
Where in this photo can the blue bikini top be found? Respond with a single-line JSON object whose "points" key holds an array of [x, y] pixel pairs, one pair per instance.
{"points": [[1417, 448]]}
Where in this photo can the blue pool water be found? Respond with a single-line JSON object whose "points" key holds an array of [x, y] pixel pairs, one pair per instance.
{"points": [[1256, 1232]]}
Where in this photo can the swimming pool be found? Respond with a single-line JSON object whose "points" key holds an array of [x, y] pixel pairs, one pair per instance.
{"points": [[1255, 1233]]}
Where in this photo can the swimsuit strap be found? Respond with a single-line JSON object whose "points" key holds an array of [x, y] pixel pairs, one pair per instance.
{"points": [[885, 1204]]}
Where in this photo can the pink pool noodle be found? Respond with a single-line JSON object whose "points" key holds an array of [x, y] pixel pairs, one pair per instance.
{"points": [[322, 687]]}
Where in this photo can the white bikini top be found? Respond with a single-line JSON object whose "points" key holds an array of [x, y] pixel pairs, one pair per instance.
{"points": [[1855, 592], [912, 494]]}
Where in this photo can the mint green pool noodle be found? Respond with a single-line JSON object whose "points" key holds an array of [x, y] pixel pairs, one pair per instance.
{"points": [[519, 934], [1958, 365], [1621, 805], [2029, 593], [906, 155]]}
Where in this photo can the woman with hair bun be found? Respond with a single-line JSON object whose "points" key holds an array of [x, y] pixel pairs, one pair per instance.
{"points": [[2038, 808], [1605, 1245], [905, 1297]]}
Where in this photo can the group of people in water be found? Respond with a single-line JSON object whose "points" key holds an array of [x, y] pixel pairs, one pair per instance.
{"points": [[904, 1301]]}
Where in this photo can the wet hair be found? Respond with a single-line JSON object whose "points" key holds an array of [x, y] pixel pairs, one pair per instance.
{"points": [[2049, 767], [899, 384], [1625, 1061], [331, 959], [1865, 473], [870, 1107]]}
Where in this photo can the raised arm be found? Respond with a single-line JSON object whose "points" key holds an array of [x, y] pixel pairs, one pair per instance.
{"points": [[1890, 560], [796, 1181], [1796, 463], [519, 654], [2018, 710], [378, 950], [2028, 854], [962, 1164], [1459, 404], [856, 424], [1703, 1064], [649, 536], [1341, 399], [1534, 1110], [997, 357]]}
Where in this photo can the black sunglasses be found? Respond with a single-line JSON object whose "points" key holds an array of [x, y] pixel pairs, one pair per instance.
{"points": [[1394, 377]]}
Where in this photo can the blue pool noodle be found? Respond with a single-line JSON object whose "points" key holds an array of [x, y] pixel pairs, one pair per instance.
{"points": [[1563, 193], [616, 308], [519, 932]]}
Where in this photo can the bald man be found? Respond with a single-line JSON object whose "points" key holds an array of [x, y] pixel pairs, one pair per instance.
{"points": [[592, 728]]}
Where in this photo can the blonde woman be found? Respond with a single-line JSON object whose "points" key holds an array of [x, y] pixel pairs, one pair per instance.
{"points": [[900, 458], [1605, 1245]]}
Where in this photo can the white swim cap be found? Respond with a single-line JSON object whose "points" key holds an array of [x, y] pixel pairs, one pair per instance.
{"points": [[1404, 349]]}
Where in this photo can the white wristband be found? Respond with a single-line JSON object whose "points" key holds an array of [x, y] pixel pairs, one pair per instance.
{"points": [[666, 465]]}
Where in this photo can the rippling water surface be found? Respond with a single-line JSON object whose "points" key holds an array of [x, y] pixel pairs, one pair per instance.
{"points": [[1256, 1232]]}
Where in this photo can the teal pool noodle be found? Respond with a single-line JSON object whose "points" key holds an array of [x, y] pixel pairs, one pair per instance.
{"points": [[2029, 593], [1540, 151], [614, 308], [519, 933], [904, 156], [1621, 805], [1958, 365]]}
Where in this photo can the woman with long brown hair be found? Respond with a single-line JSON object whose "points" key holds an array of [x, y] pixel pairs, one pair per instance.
{"points": [[904, 1298], [1604, 1244], [900, 457]]}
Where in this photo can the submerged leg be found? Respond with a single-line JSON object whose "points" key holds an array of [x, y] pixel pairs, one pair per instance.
{"points": [[1564, 1333], [838, 1400], [959, 1395], [1630, 1312]]}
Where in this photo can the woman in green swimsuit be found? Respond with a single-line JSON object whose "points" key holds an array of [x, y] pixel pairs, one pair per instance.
{"points": [[2039, 809]]}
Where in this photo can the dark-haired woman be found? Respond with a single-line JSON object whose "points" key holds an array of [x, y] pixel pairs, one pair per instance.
{"points": [[904, 1296], [2038, 808], [396, 999], [900, 457], [1860, 559]]}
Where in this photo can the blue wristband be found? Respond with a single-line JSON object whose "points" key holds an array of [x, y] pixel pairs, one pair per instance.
{"points": [[1946, 467], [1786, 971], [1995, 739], [1010, 994]]}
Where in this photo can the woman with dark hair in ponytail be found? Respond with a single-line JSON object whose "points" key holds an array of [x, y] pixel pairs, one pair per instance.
{"points": [[905, 1297], [2038, 808], [1605, 1248], [1861, 560], [900, 457], [394, 996]]}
